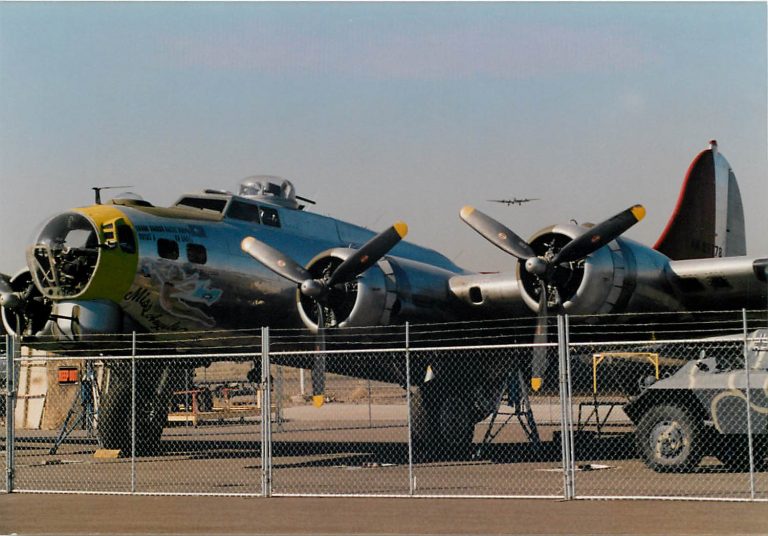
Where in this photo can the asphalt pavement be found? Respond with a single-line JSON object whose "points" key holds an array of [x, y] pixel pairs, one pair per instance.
{"points": [[63, 514]]}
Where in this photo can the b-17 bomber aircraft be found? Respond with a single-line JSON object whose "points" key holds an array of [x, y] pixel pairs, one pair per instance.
{"points": [[226, 261], [514, 201]]}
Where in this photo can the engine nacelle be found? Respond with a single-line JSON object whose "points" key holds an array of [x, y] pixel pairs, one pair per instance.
{"points": [[366, 301], [391, 291], [622, 276]]}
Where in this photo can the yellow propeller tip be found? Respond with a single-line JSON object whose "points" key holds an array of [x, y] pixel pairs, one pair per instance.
{"points": [[318, 400], [401, 228], [536, 383], [638, 211], [467, 211]]}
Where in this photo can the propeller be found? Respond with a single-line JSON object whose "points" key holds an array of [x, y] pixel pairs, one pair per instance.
{"points": [[8, 298], [320, 290], [544, 267], [19, 306]]}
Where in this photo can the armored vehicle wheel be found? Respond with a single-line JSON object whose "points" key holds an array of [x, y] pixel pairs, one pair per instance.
{"points": [[669, 438]]}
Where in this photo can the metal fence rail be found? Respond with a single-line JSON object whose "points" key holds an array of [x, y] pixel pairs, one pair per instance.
{"points": [[617, 417]]}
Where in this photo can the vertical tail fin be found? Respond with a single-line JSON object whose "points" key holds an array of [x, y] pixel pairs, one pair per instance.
{"points": [[708, 220]]}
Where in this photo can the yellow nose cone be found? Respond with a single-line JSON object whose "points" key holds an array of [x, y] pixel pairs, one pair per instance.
{"points": [[401, 228], [536, 383], [466, 212]]}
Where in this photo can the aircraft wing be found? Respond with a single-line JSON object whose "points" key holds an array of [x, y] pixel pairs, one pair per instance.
{"points": [[700, 283]]}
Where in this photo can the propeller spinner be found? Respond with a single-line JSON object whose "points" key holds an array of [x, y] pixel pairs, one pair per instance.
{"points": [[320, 289], [544, 267], [8, 298]]}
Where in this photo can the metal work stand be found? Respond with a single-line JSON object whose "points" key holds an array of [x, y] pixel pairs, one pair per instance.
{"points": [[517, 398], [594, 413], [83, 410]]}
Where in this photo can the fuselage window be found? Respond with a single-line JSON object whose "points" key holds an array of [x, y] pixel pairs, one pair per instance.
{"points": [[167, 249], [243, 211], [197, 254], [203, 203], [270, 217]]}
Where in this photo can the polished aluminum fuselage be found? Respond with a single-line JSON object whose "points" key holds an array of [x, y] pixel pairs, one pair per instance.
{"points": [[230, 290]]}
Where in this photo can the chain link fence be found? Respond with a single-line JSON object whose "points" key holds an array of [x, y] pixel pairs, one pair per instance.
{"points": [[682, 413], [6, 409]]}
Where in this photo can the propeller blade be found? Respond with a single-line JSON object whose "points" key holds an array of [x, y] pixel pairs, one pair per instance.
{"points": [[275, 260], [599, 235], [369, 254], [318, 381], [318, 367], [5, 283], [496, 233], [539, 361]]}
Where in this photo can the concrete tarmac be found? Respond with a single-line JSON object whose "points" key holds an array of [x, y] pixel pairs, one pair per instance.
{"points": [[82, 514], [61, 514]]}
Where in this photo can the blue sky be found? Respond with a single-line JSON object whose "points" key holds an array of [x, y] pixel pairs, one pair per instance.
{"points": [[383, 111]]}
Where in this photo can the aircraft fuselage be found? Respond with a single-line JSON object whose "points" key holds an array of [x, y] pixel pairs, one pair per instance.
{"points": [[182, 268]]}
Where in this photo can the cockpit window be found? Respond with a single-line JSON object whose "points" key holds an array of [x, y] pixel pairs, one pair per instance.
{"points": [[203, 203], [243, 211], [125, 238], [269, 216]]}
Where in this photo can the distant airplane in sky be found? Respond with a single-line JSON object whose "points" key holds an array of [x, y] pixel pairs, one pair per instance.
{"points": [[514, 200]]}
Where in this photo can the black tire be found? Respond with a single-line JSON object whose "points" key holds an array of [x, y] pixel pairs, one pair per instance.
{"points": [[114, 413], [422, 424], [670, 439], [443, 423], [153, 391], [733, 452]]}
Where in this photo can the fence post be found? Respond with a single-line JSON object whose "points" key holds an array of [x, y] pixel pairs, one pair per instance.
{"points": [[133, 412], [411, 483], [565, 409], [11, 345], [572, 458], [266, 416], [750, 446]]}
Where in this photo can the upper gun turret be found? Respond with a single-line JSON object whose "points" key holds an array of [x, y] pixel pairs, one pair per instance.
{"points": [[272, 189]]}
